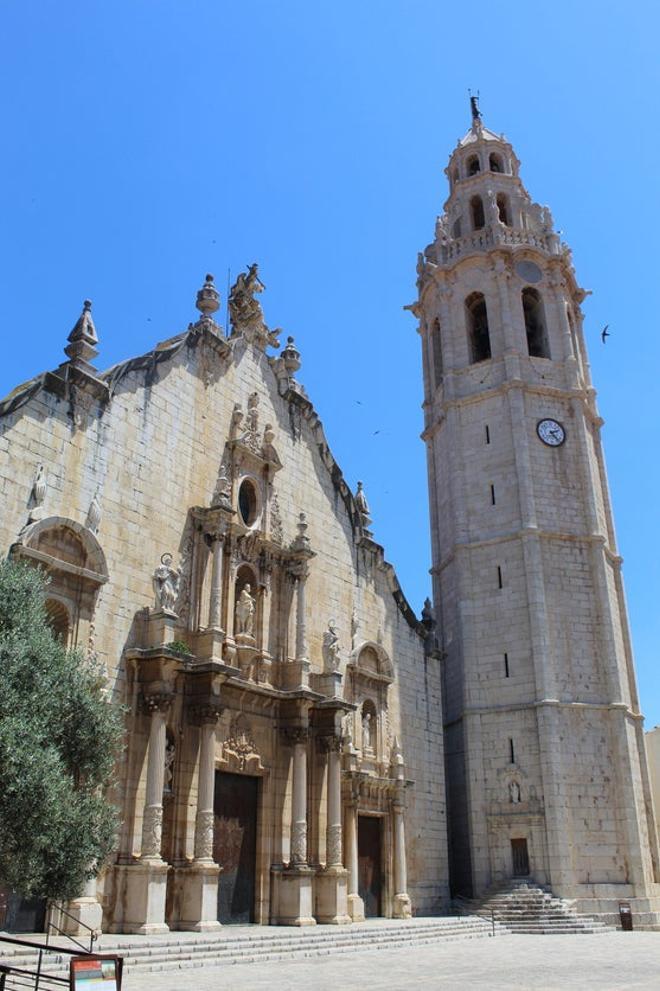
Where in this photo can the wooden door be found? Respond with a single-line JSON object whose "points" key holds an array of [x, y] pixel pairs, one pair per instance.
{"points": [[520, 858], [369, 864], [235, 845]]}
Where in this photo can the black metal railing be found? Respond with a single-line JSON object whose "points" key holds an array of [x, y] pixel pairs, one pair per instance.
{"points": [[55, 907], [15, 978]]}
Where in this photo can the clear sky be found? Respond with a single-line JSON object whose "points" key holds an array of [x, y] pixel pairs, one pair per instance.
{"points": [[147, 142]]}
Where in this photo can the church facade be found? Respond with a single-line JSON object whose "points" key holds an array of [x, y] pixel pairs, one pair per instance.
{"points": [[290, 721], [284, 735]]}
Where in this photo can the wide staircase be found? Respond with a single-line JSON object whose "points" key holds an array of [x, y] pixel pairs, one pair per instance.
{"points": [[524, 907], [250, 944]]}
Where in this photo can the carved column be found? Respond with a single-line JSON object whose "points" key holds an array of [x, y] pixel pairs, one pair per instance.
{"points": [[292, 891], [355, 903], [143, 884], [215, 601], [299, 737], [301, 622], [152, 823], [332, 744], [199, 881], [332, 883], [207, 716], [401, 907]]}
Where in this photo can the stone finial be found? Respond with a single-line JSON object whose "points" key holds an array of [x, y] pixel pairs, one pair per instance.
{"points": [[83, 338], [290, 357], [301, 543], [208, 298]]}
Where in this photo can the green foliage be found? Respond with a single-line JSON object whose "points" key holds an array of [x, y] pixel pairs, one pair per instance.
{"points": [[59, 739], [180, 646]]}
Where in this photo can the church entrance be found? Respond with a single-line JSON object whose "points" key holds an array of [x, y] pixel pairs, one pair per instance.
{"points": [[369, 864], [235, 845], [520, 858]]}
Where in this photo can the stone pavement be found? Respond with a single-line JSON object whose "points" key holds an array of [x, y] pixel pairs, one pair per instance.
{"points": [[614, 961]]}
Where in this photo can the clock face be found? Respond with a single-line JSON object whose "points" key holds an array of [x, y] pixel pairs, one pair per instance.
{"points": [[551, 432]]}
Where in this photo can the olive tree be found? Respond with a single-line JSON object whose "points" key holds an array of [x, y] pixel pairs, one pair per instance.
{"points": [[60, 736]]}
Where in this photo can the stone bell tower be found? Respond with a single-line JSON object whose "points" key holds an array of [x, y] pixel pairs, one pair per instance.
{"points": [[546, 769]]}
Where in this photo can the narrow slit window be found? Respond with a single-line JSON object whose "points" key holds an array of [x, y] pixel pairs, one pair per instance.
{"points": [[506, 665], [487, 434], [512, 754], [492, 495], [499, 577]]}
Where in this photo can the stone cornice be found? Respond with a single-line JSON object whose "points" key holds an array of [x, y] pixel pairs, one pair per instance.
{"points": [[477, 710], [597, 539]]}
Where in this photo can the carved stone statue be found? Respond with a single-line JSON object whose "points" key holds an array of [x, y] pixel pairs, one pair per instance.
{"points": [[245, 608], [245, 311], [347, 732], [37, 495], [166, 582], [331, 649], [251, 434], [170, 751], [514, 793], [362, 507], [367, 743]]}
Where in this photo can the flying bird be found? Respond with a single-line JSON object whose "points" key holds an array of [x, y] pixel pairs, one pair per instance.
{"points": [[603, 334]]}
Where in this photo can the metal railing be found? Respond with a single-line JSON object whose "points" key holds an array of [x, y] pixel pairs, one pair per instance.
{"points": [[50, 925], [18, 978]]}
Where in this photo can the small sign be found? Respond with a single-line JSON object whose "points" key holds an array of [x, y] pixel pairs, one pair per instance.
{"points": [[95, 973]]}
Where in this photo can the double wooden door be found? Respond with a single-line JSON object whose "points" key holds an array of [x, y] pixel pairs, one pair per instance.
{"points": [[235, 845], [369, 864]]}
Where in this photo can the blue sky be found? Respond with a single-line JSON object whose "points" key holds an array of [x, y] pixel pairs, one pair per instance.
{"points": [[147, 142]]}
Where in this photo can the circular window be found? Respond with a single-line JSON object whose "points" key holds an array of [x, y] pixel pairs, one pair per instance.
{"points": [[247, 502], [529, 271]]}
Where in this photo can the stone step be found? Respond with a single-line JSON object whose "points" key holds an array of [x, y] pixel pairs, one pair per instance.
{"points": [[525, 908], [172, 952]]}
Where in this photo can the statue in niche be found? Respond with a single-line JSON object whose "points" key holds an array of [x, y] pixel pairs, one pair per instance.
{"points": [[331, 648], [166, 580], [170, 751], [367, 743], [514, 793], [245, 609], [347, 732]]}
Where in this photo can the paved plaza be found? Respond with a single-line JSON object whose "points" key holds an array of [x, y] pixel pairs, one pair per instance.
{"points": [[612, 962]]}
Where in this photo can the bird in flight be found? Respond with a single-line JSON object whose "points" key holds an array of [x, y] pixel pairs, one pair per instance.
{"points": [[603, 334]]}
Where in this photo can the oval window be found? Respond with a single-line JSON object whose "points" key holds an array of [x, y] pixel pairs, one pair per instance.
{"points": [[247, 502]]}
